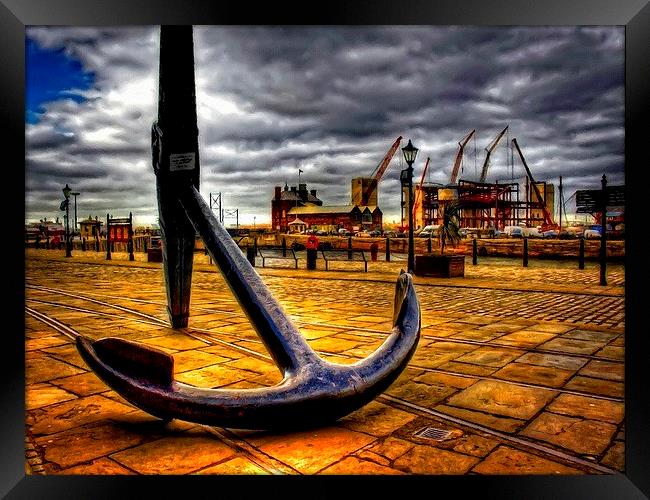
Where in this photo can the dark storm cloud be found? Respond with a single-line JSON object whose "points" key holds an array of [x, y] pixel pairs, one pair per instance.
{"points": [[331, 101]]}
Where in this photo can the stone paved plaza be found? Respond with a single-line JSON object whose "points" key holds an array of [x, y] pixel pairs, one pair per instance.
{"points": [[519, 369]]}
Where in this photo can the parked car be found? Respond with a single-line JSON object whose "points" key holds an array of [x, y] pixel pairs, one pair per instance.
{"points": [[430, 231], [531, 232], [155, 242], [509, 229], [375, 234], [320, 232], [516, 232], [551, 233], [567, 235], [363, 234], [591, 234]]}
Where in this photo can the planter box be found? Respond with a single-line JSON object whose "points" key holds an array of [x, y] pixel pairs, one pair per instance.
{"points": [[440, 266], [154, 255]]}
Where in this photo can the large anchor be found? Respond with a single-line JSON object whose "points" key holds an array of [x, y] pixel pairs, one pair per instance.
{"points": [[312, 391]]}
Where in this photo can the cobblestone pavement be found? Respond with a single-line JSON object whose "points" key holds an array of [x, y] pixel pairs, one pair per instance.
{"points": [[522, 367]]}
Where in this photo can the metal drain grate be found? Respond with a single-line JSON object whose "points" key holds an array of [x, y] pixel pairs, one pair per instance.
{"points": [[434, 434]]}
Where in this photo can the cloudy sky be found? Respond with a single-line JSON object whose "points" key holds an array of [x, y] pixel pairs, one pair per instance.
{"points": [[327, 100]]}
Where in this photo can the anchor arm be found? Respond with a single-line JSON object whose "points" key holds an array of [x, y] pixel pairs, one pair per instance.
{"points": [[284, 342]]}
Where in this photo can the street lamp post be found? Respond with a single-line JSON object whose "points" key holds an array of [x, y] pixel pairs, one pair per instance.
{"points": [[66, 193], [75, 211], [410, 152]]}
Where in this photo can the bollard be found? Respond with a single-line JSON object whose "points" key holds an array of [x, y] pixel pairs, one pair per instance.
{"points": [[97, 244], [387, 249], [581, 253], [47, 243], [284, 247], [250, 255], [108, 237], [374, 248], [83, 244], [129, 244], [429, 245], [474, 251], [525, 252], [349, 247], [312, 254], [603, 233], [38, 242]]}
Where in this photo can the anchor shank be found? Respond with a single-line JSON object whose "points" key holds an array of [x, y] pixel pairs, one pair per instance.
{"points": [[176, 161], [283, 341]]}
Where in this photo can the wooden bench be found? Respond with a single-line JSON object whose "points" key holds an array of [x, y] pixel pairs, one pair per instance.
{"points": [[276, 253], [345, 255]]}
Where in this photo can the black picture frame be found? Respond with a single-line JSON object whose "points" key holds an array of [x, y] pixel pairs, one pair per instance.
{"points": [[633, 14]]}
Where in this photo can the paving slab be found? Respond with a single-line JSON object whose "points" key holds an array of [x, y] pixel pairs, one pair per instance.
{"points": [[310, 451], [572, 363], [391, 448], [377, 419], [588, 407], [85, 444], [596, 386], [83, 384], [587, 437], [493, 357], [428, 460], [507, 460], [498, 423], [354, 465], [502, 399], [604, 370], [175, 455], [45, 394], [235, 466], [615, 457], [532, 374], [74, 413]]}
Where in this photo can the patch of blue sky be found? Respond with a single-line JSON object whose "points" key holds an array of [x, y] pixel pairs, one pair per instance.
{"points": [[51, 75]]}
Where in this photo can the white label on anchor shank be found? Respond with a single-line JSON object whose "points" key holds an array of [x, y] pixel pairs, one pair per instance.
{"points": [[181, 161]]}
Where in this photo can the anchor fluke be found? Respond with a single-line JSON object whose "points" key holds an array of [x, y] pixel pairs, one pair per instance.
{"points": [[132, 359]]}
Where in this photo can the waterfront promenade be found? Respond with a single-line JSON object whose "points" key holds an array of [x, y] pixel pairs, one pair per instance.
{"points": [[518, 370]]}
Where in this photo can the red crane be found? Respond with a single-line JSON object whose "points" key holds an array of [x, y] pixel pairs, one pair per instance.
{"points": [[379, 171], [459, 157], [548, 219], [489, 150], [418, 193]]}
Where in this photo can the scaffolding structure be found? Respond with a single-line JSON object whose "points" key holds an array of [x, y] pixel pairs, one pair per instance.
{"points": [[484, 205]]}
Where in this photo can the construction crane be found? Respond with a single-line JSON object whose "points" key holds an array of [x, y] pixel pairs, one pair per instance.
{"points": [[548, 219], [459, 157], [418, 194], [489, 150], [379, 171]]}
